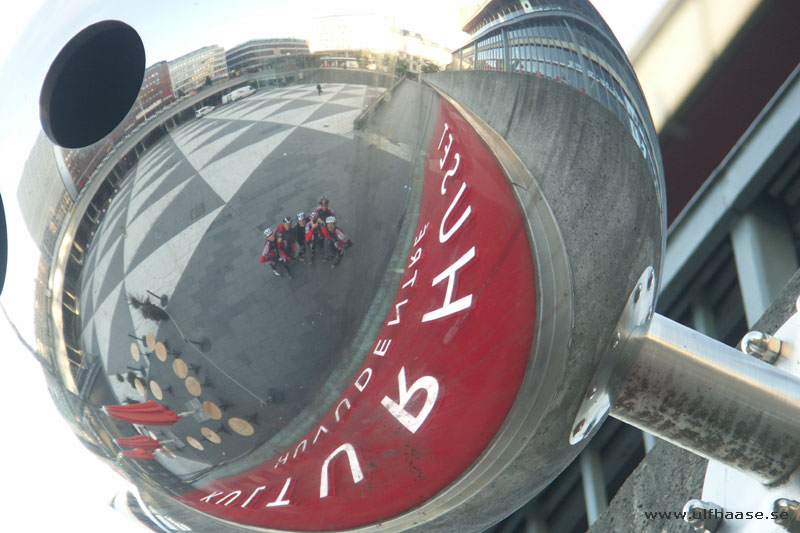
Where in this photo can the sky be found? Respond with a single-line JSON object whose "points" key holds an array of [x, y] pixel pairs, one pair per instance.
{"points": [[50, 482]]}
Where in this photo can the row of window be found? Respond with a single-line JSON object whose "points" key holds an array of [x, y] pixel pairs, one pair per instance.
{"points": [[568, 52]]}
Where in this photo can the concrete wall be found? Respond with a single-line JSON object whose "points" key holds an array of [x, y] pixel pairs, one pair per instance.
{"points": [[340, 75]]}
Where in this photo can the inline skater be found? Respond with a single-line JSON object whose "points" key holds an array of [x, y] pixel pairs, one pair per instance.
{"points": [[275, 253], [336, 240], [323, 211], [285, 232], [303, 236]]}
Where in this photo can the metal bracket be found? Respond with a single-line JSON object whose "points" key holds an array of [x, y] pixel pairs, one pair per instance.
{"points": [[636, 314]]}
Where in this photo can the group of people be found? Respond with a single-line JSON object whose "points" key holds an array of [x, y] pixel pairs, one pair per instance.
{"points": [[299, 238]]}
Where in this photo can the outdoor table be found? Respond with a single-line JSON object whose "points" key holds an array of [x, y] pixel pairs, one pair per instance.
{"points": [[241, 426], [161, 351], [155, 388], [211, 435], [180, 368], [140, 387], [193, 386], [212, 410], [150, 341], [135, 351], [194, 443]]}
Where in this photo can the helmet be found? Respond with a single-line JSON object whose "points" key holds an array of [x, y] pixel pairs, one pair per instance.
{"points": [[323, 200], [300, 216], [267, 232], [288, 220], [330, 220]]}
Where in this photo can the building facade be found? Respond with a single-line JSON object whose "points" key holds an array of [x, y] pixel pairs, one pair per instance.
{"points": [[261, 53], [189, 72], [156, 88]]}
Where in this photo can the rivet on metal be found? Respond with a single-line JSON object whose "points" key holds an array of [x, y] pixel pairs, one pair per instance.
{"points": [[703, 516], [763, 346], [787, 514], [616, 339]]}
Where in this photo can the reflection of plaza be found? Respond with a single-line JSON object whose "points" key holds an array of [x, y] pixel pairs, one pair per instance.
{"points": [[187, 223]]}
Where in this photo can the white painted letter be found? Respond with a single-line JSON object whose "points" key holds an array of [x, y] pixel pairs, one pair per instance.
{"points": [[280, 501], [207, 499], [421, 233], [355, 468], [427, 384], [446, 151], [446, 127], [304, 442], [382, 348], [282, 460], [259, 489], [235, 495], [319, 432], [361, 386], [416, 257], [452, 172], [411, 281], [444, 237], [450, 306], [397, 310], [343, 402]]}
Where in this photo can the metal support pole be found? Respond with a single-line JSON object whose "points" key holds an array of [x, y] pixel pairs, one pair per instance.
{"points": [[594, 484], [710, 399], [703, 318], [765, 257], [506, 51]]}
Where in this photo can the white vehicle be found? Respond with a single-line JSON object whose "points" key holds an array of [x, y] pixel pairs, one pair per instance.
{"points": [[241, 92], [203, 111]]}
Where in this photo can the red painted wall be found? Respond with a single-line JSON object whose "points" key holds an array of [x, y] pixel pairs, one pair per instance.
{"points": [[441, 376]]}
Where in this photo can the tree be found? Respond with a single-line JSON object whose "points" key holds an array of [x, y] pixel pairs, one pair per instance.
{"points": [[401, 64], [207, 83], [429, 67]]}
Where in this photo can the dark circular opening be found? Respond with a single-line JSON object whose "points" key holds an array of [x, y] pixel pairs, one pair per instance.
{"points": [[92, 84], [3, 245]]}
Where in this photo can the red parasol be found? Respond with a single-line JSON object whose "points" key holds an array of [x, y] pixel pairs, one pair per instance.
{"points": [[146, 413], [138, 453], [139, 441]]}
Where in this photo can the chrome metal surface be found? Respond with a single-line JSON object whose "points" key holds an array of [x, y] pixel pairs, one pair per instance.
{"points": [[703, 516], [711, 399], [156, 245], [742, 493], [789, 514]]}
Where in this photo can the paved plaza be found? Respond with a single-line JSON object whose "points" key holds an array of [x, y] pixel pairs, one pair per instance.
{"points": [[187, 223]]}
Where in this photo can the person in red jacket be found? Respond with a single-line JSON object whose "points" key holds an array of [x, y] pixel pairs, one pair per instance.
{"points": [[314, 236], [275, 253], [323, 211], [336, 240], [303, 236], [285, 233]]}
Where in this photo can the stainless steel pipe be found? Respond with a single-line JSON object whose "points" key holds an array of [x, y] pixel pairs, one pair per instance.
{"points": [[709, 398]]}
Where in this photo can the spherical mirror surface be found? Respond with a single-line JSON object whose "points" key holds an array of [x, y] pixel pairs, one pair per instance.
{"points": [[337, 268]]}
